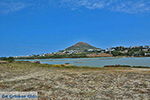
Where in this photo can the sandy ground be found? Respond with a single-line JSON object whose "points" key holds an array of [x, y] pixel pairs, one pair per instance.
{"points": [[77, 83]]}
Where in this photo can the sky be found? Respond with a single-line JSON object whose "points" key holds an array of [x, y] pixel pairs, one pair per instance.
{"points": [[42, 26]]}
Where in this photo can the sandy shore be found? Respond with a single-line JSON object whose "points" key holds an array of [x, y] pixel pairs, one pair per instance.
{"points": [[54, 83]]}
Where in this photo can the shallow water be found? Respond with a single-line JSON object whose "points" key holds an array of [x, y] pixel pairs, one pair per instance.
{"points": [[98, 62]]}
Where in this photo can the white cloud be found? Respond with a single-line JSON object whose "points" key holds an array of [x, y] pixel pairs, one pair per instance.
{"points": [[7, 7], [126, 6]]}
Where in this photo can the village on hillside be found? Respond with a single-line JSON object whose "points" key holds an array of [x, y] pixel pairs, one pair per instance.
{"points": [[83, 50]]}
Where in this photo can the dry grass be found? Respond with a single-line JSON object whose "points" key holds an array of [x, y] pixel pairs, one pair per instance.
{"points": [[59, 82]]}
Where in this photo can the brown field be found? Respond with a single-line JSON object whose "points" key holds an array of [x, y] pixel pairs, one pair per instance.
{"points": [[71, 83]]}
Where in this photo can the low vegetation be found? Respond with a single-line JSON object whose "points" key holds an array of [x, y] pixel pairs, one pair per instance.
{"points": [[9, 59], [127, 66], [67, 82], [81, 55], [138, 51]]}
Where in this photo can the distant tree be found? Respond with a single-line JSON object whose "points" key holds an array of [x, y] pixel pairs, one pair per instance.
{"points": [[116, 53], [9, 59]]}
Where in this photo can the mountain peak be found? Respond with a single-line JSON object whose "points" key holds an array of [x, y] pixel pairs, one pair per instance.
{"points": [[81, 46], [81, 43]]}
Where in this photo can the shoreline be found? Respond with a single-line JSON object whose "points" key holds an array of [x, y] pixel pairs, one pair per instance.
{"points": [[67, 65], [90, 57], [99, 63]]}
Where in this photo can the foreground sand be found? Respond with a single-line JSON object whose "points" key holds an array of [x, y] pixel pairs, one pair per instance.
{"points": [[54, 83]]}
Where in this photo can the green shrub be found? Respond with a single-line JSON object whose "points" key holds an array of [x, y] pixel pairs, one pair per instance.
{"points": [[9, 59]]}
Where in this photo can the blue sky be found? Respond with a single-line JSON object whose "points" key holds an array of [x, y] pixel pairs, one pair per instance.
{"points": [[43, 26]]}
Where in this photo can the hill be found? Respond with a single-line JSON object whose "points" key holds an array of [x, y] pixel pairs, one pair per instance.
{"points": [[81, 46]]}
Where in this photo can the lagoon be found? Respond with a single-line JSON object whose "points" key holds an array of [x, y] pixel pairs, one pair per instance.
{"points": [[98, 62]]}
